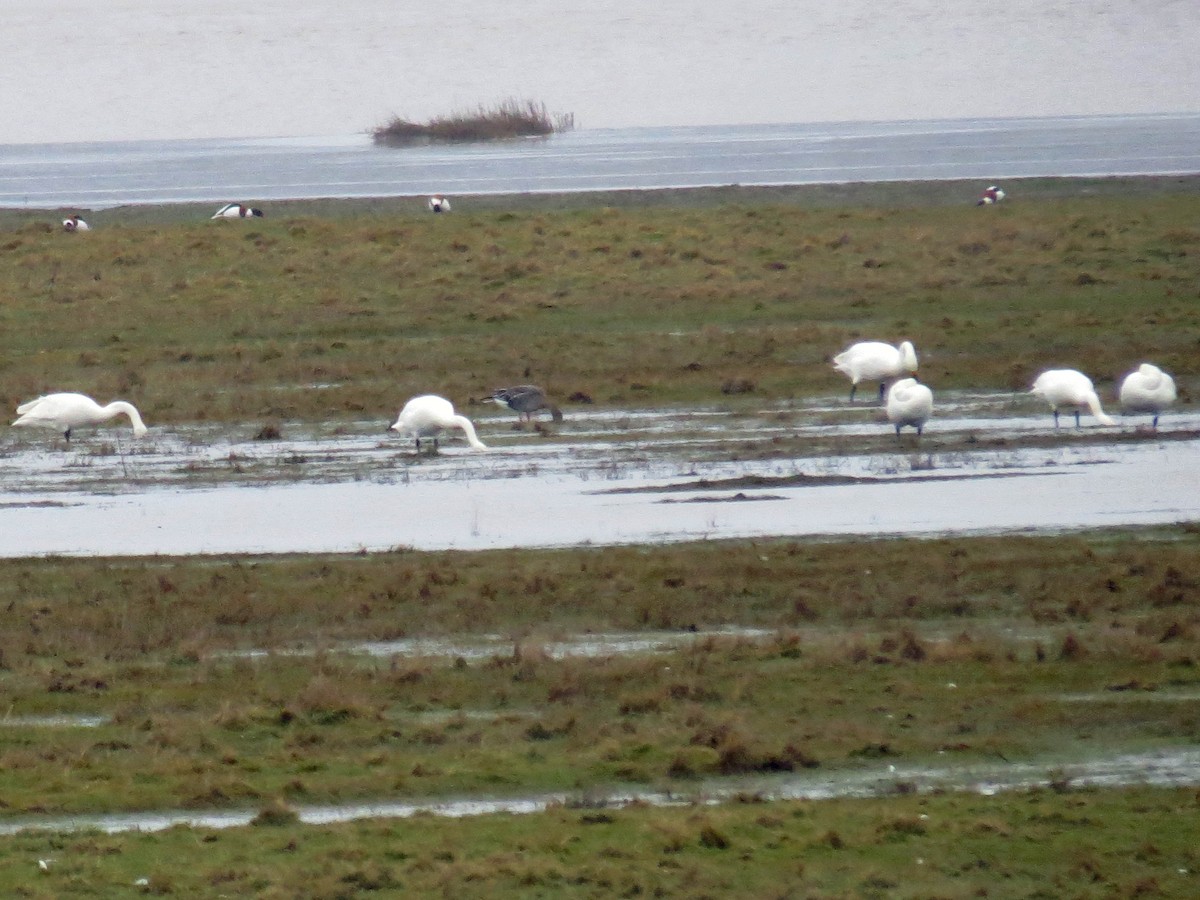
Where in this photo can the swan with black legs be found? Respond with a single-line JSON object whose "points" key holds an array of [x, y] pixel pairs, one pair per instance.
{"points": [[909, 403], [428, 416], [1148, 389], [875, 361], [1070, 390], [64, 412]]}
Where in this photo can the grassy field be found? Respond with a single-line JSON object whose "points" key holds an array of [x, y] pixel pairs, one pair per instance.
{"points": [[637, 303], [1054, 650], [1043, 844], [942, 652]]}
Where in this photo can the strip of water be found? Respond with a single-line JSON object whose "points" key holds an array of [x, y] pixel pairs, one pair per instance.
{"points": [[1159, 769]]}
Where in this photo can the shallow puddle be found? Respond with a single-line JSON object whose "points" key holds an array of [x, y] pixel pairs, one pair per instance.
{"points": [[988, 463], [54, 721], [491, 646]]}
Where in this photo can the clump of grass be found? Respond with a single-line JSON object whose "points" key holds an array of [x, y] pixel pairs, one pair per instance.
{"points": [[275, 813], [506, 120]]}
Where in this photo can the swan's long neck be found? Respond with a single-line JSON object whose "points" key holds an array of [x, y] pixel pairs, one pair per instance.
{"points": [[120, 407], [469, 430], [1093, 403]]}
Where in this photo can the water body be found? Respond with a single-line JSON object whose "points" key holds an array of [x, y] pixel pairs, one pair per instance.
{"points": [[159, 69], [606, 478], [96, 176]]}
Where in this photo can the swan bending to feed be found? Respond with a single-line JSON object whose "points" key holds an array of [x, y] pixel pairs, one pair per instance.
{"points": [[1147, 390], [439, 204], [66, 412], [238, 211], [875, 361], [525, 399], [1070, 390], [909, 403], [74, 223], [428, 416]]}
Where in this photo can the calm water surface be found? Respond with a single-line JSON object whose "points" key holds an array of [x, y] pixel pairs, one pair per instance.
{"points": [[92, 176], [606, 478], [160, 69]]}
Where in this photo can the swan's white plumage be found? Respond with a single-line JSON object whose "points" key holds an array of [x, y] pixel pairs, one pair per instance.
{"points": [[1070, 390], [67, 411], [1147, 390], [439, 204], [875, 361], [74, 223], [428, 416], [909, 403]]}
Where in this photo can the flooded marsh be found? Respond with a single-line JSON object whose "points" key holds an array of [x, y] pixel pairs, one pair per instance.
{"points": [[679, 632], [822, 467]]}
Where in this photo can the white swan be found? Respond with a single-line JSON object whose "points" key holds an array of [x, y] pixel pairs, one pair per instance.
{"points": [[1147, 390], [909, 403], [429, 415], [74, 223], [875, 361], [67, 411], [439, 204], [237, 211], [1072, 390]]}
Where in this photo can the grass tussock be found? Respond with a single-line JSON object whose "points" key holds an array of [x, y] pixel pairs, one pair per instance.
{"points": [[506, 120]]}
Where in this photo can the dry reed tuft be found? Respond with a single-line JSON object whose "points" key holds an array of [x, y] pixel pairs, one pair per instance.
{"points": [[506, 120]]}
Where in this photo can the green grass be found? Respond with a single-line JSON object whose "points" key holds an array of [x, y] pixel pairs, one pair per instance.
{"points": [[865, 639], [1040, 844], [631, 305]]}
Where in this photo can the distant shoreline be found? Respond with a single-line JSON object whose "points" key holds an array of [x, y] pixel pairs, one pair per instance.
{"points": [[888, 194]]}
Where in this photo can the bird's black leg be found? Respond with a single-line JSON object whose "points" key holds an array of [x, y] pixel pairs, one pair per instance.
{"points": [[67, 435], [1056, 418], [853, 388], [881, 392], [1076, 418]]}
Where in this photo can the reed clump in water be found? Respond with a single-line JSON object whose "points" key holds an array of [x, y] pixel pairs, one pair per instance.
{"points": [[506, 120]]}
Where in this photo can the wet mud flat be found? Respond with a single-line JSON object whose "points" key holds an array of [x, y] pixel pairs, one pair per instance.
{"points": [[988, 463]]}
